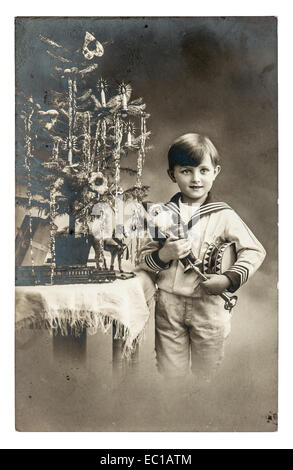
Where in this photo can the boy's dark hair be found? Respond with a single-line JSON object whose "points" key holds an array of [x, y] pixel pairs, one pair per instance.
{"points": [[190, 149]]}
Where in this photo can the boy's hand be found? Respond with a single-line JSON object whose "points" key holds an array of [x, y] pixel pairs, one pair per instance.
{"points": [[174, 248], [216, 284]]}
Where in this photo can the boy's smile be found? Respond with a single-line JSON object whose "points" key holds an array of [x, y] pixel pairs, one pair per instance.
{"points": [[195, 181]]}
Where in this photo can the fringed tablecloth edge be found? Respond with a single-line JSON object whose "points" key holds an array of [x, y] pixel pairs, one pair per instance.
{"points": [[75, 321], [128, 350]]}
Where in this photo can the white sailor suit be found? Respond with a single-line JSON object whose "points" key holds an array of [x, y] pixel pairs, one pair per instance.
{"points": [[191, 326]]}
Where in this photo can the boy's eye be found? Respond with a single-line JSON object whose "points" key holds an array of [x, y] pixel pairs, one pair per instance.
{"points": [[185, 171], [204, 171]]}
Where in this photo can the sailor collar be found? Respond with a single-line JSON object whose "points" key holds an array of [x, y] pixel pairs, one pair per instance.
{"points": [[207, 207]]}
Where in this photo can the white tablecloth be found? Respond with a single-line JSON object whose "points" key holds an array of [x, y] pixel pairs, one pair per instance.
{"points": [[69, 308]]}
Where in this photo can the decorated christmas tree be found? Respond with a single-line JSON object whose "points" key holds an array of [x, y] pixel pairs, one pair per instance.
{"points": [[71, 157]]}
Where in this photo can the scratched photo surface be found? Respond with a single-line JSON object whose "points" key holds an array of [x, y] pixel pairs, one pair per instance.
{"points": [[216, 76]]}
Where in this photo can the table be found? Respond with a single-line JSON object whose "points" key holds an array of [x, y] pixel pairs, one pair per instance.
{"points": [[74, 309]]}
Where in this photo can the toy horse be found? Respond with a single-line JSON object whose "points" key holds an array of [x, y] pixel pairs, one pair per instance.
{"points": [[117, 248], [114, 245]]}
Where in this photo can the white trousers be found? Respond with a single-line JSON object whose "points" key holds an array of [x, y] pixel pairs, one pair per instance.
{"points": [[190, 334]]}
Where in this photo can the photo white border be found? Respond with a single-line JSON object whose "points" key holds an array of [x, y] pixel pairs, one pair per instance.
{"points": [[281, 439]]}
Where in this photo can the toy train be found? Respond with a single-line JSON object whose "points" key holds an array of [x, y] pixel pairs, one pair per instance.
{"points": [[41, 275]]}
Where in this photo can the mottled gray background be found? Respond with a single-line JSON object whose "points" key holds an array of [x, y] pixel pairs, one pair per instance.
{"points": [[216, 76]]}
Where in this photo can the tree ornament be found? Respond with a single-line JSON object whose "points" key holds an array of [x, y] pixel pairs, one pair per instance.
{"points": [[124, 99], [98, 182], [102, 86], [48, 118], [98, 50], [119, 191], [125, 92], [130, 130]]}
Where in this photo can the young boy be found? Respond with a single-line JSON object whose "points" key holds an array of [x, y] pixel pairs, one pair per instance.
{"points": [[190, 320]]}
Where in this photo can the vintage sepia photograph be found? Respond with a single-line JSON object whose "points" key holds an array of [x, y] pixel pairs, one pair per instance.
{"points": [[146, 216]]}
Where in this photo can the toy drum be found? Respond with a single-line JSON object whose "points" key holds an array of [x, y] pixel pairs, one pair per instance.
{"points": [[219, 258]]}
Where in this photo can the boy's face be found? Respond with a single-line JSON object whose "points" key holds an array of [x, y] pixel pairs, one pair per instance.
{"points": [[195, 181]]}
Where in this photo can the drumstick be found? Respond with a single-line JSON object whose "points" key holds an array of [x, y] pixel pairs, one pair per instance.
{"points": [[230, 302]]}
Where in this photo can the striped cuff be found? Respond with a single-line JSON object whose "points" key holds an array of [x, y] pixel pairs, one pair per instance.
{"points": [[153, 261], [238, 275]]}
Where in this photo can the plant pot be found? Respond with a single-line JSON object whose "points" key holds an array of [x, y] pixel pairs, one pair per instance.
{"points": [[71, 250]]}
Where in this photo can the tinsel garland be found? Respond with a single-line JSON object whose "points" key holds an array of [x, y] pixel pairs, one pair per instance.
{"points": [[55, 151], [96, 146], [141, 152], [86, 147], [53, 230], [74, 94], [118, 139], [70, 120], [72, 90], [28, 156], [140, 163], [104, 131], [102, 148]]}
